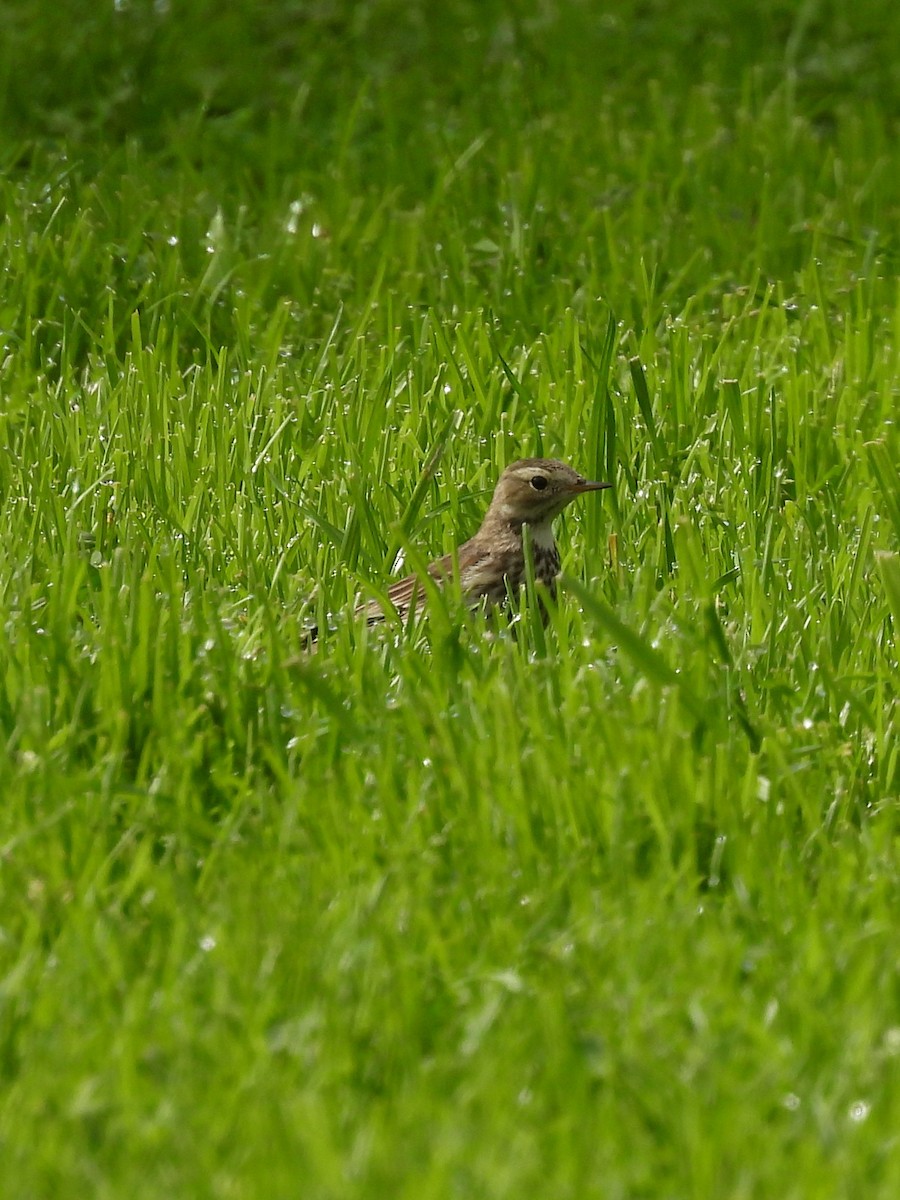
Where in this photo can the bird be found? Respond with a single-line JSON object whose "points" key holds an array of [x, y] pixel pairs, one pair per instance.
{"points": [[492, 565]]}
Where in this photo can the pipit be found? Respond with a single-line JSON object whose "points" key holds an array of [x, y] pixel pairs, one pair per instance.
{"points": [[492, 565]]}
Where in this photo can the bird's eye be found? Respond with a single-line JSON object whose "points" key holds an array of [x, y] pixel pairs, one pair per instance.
{"points": [[538, 482]]}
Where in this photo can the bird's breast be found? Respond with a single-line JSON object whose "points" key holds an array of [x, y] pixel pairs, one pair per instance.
{"points": [[546, 565], [544, 553]]}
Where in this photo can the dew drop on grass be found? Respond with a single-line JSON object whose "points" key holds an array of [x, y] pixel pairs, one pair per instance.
{"points": [[295, 208], [859, 1111]]}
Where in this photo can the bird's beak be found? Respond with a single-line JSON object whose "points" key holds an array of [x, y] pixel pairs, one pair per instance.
{"points": [[585, 485]]}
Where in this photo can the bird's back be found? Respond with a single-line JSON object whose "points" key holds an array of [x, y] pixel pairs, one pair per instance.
{"points": [[489, 566]]}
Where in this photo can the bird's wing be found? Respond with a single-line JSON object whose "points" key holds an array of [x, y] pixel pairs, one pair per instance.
{"points": [[407, 593]]}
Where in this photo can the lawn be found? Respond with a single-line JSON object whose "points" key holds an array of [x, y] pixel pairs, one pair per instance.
{"points": [[607, 909]]}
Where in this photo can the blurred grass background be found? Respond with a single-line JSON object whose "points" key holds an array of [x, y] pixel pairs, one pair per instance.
{"points": [[607, 911]]}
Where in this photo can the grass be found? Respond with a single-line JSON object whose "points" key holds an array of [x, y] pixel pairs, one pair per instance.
{"points": [[604, 910]]}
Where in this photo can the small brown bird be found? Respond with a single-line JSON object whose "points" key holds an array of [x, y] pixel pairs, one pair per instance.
{"points": [[490, 565]]}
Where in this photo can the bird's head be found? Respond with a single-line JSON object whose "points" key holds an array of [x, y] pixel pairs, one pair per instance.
{"points": [[533, 491]]}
